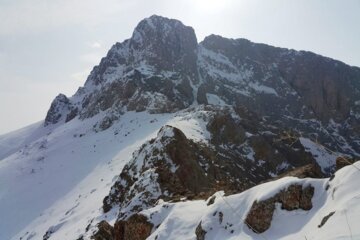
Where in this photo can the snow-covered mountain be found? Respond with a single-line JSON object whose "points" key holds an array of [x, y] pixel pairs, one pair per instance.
{"points": [[170, 138]]}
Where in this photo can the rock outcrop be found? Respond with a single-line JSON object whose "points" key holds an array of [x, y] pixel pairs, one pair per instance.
{"points": [[136, 227], [200, 233], [169, 167], [105, 232], [61, 110], [294, 197]]}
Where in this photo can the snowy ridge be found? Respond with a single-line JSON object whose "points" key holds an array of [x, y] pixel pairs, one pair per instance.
{"points": [[74, 160], [82, 174]]}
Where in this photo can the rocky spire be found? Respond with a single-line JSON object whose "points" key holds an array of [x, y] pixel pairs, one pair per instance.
{"points": [[166, 43]]}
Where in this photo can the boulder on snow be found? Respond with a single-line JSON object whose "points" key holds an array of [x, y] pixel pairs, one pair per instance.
{"points": [[105, 231], [260, 215], [137, 227], [294, 197], [200, 232]]}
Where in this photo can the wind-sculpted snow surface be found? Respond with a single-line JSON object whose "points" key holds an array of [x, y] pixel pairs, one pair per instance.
{"points": [[164, 119]]}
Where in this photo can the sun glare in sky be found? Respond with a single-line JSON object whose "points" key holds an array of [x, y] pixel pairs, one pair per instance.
{"points": [[211, 6]]}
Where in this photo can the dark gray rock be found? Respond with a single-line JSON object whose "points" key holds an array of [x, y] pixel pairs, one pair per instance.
{"points": [[294, 197], [61, 110], [136, 227], [200, 233], [325, 219], [105, 231]]}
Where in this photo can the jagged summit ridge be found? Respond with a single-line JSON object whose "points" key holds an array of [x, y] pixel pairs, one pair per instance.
{"points": [[162, 69]]}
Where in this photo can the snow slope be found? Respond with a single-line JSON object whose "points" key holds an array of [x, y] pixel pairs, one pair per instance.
{"points": [[59, 178], [179, 220], [11, 142], [72, 161]]}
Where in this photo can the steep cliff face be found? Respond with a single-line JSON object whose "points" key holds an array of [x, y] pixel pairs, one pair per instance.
{"points": [[294, 89], [327, 87], [153, 70], [167, 45]]}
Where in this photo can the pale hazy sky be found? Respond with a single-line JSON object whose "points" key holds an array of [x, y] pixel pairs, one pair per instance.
{"points": [[50, 46]]}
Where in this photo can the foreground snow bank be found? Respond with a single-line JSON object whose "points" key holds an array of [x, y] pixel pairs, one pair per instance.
{"points": [[225, 218]]}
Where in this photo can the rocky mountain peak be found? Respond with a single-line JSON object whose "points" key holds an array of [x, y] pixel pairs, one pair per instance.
{"points": [[154, 70], [163, 69], [162, 28], [166, 43]]}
